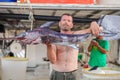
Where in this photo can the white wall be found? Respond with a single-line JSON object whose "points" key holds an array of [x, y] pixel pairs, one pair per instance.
{"points": [[40, 53], [113, 52], [35, 53]]}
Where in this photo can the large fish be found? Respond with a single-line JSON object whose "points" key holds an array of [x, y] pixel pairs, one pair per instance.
{"points": [[43, 34]]}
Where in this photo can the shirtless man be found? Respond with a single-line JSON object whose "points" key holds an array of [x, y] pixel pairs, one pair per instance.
{"points": [[64, 59]]}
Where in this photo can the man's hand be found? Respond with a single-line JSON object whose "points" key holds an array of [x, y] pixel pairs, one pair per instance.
{"points": [[46, 39], [95, 29], [95, 43]]}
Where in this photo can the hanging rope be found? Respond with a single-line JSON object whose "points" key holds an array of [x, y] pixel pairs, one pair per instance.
{"points": [[31, 17]]}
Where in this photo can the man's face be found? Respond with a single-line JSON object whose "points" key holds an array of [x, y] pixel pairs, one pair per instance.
{"points": [[99, 37], [66, 23]]}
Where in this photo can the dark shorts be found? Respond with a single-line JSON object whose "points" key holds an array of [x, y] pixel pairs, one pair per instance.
{"points": [[55, 75]]}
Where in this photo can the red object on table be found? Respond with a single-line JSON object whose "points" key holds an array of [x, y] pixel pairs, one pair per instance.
{"points": [[85, 66]]}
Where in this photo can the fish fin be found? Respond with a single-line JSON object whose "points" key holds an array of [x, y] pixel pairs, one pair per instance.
{"points": [[47, 24], [100, 19]]}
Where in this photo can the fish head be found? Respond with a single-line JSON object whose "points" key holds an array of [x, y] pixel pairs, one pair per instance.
{"points": [[21, 36], [28, 37]]}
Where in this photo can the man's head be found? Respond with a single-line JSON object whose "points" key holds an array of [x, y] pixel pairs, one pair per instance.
{"points": [[66, 22], [99, 37]]}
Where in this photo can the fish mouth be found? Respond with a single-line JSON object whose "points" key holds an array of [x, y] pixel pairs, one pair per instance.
{"points": [[20, 38]]}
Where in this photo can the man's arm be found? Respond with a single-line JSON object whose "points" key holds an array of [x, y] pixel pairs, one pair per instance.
{"points": [[99, 47], [90, 47], [51, 53], [102, 50], [94, 29]]}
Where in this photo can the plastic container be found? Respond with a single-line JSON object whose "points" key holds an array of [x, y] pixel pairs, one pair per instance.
{"points": [[102, 74], [13, 68], [8, 0]]}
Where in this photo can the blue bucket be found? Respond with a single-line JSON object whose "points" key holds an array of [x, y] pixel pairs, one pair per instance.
{"points": [[8, 0]]}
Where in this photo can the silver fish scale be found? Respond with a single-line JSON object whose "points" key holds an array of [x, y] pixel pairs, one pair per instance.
{"points": [[109, 21], [28, 37]]}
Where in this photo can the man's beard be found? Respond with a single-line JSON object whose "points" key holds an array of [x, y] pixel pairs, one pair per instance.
{"points": [[65, 29]]}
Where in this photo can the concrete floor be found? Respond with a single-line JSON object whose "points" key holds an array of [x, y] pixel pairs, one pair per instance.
{"points": [[42, 73]]}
